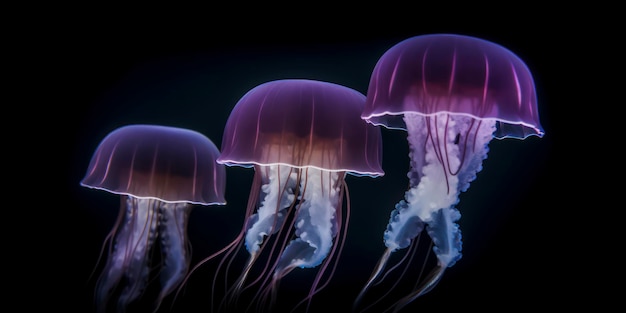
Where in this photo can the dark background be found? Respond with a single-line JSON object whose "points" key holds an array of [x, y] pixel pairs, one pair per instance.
{"points": [[111, 70]]}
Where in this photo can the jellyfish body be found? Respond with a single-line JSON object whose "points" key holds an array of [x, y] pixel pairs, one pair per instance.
{"points": [[302, 137], [160, 172], [452, 94]]}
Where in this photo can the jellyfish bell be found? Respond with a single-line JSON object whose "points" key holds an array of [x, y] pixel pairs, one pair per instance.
{"points": [[452, 94], [461, 75], [302, 137], [160, 173]]}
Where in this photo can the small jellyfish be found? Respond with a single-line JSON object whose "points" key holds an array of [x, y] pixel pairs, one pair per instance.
{"points": [[160, 173], [302, 137], [452, 94]]}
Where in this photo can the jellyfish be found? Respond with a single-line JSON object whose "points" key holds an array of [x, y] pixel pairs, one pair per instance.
{"points": [[452, 94], [302, 137], [160, 173]]}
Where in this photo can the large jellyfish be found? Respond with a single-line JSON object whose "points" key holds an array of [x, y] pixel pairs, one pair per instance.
{"points": [[302, 137], [160, 173], [452, 94]]}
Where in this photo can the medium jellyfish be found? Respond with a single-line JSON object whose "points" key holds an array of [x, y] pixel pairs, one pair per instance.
{"points": [[452, 94], [160, 172], [302, 137]]}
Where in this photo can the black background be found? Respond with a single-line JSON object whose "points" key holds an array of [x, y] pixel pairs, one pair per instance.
{"points": [[102, 70]]}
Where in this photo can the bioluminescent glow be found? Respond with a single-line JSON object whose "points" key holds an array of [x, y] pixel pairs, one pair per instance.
{"points": [[452, 94], [159, 172]]}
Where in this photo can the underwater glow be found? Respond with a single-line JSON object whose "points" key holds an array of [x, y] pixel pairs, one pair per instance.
{"points": [[452, 94], [302, 137], [159, 172]]}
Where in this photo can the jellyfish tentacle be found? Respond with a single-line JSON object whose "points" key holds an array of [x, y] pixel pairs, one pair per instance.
{"points": [[278, 196], [465, 143], [271, 211], [430, 282], [429, 191], [402, 228], [477, 147], [174, 219], [130, 255], [342, 226], [447, 245], [113, 271], [316, 223], [316, 226], [446, 236], [446, 153], [380, 266], [138, 271]]}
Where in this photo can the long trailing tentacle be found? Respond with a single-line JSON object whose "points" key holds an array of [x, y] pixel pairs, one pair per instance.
{"points": [[380, 266], [229, 250]]}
